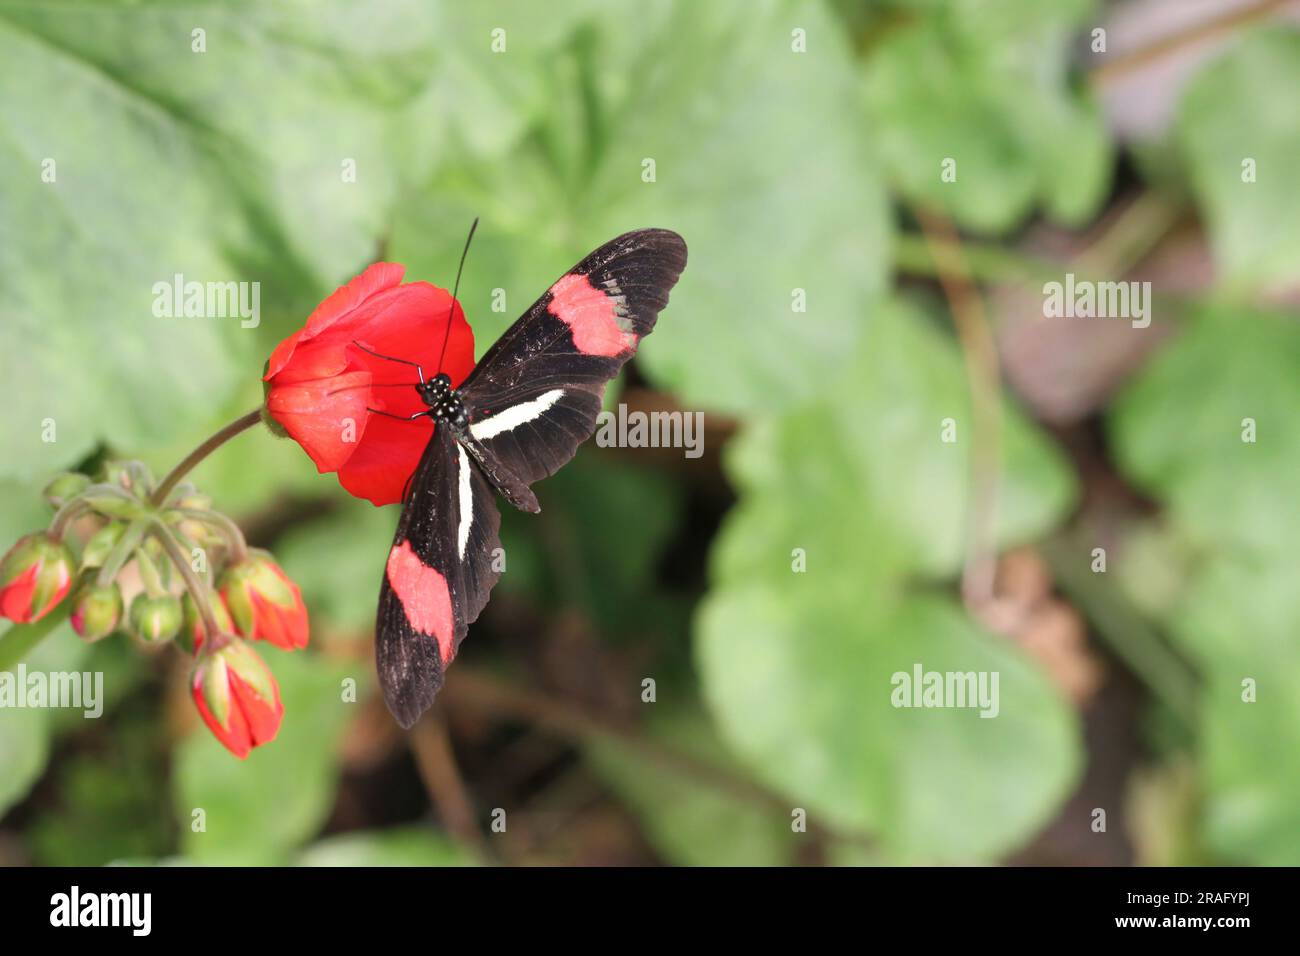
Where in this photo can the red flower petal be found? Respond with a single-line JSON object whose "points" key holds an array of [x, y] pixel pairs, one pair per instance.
{"points": [[385, 459], [261, 718], [326, 416], [376, 278], [16, 596], [284, 627], [234, 738]]}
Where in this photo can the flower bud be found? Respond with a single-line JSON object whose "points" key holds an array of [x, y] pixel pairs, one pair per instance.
{"points": [[98, 546], [264, 603], [192, 630], [193, 500], [237, 697], [35, 576], [65, 487], [113, 502], [134, 476], [155, 619], [96, 611], [195, 532]]}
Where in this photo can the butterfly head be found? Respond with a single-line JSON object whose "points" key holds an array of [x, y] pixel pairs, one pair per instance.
{"points": [[444, 404], [435, 389]]}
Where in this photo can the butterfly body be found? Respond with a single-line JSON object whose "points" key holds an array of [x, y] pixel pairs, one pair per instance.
{"points": [[445, 405], [518, 417]]}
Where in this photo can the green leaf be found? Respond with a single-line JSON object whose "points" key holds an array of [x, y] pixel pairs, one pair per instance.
{"points": [[1178, 432], [1239, 622], [802, 687], [692, 822], [258, 810], [797, 667], [754, 166], [482, 90], [868, 464], [399, 846], [987, 85], [224, 165], [1230, 114]]}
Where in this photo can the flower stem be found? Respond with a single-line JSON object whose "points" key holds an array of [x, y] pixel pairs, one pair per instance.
{"points": [[19, 640], [205, 449], [121, 553], [198, 590], [229, 530], [64, 516]]}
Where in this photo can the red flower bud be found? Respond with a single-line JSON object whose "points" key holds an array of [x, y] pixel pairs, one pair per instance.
{"points": [[237, 697], [320, 384], [264, 603], [96, 611], [35, 576]]}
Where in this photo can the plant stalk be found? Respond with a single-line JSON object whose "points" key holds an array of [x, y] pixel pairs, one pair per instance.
{"points": [[197, 589], [21, 639], [203, 451]]}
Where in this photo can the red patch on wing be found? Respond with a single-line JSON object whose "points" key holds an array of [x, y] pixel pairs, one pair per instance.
{"points": [[591, 314], [424, 596]]}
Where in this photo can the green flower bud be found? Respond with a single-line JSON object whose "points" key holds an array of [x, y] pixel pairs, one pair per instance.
{"points": [[134, 476], [65, 487], [155, 619], [101, 543], [193, 500], [96, 611]]}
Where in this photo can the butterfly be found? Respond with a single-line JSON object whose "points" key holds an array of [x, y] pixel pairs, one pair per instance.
{"points": [[517, 418]]}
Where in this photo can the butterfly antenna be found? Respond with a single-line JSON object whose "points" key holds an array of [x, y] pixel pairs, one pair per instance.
{"points": [[455, 289]]}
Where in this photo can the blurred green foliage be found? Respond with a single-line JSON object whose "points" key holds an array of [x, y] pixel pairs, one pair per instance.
{"points": [[779, 169], [987, 85], [1232, 506]]}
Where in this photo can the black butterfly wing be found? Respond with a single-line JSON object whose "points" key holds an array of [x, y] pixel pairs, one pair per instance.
{"points": [[534, 396], [439, 573]]}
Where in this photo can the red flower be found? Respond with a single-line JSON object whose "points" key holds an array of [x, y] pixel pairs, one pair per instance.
{"points": [[264, 604], [237, 697], [35, 575], [321, 384]]}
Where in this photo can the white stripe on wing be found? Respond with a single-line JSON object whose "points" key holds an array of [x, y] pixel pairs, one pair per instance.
{"points": [[511, 418]]}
